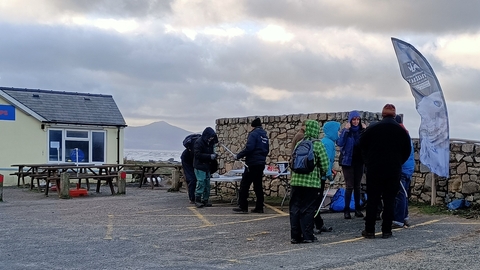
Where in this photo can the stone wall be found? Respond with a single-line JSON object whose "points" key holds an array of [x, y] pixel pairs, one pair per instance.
{"points": [[464, 160]]}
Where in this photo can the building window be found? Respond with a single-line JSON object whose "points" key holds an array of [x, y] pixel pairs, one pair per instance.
{"points": [[82, 146]]}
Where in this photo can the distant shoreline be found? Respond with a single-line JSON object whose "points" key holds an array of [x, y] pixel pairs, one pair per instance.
{"points": [[151, 155]]}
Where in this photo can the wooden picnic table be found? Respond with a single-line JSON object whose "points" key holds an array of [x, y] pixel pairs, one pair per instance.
{"points": [[31, 170], [151, 171], [104, 172]]}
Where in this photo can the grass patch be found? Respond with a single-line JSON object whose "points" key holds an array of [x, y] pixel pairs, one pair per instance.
{"points": [[426, 208], [472, 212]]}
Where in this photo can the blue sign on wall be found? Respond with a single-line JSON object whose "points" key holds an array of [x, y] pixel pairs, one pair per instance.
{"points": [[7, 112]]}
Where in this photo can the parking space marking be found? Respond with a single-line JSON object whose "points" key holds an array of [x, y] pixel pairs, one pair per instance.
{"points": [[201, 217], [108, 234]]}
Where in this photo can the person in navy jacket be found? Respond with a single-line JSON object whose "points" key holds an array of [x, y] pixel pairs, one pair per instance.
{"points": [[255, 153]]}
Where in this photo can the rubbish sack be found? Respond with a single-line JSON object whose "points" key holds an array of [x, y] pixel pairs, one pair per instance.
{"points": [[458, 204]]}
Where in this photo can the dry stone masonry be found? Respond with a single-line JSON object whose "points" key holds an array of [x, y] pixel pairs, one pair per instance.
{"points": [[464, 179]]}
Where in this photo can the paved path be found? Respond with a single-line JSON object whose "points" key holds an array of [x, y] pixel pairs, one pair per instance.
{"points": [[156, 229]]}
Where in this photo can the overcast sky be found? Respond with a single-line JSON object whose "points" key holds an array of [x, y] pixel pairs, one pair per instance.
{"points": [[189, 62]]}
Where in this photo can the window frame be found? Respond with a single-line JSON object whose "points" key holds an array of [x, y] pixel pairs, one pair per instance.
{"points": [[64, 139]]}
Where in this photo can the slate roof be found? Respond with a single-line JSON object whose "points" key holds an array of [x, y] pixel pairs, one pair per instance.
{"points": [[68, 107]]}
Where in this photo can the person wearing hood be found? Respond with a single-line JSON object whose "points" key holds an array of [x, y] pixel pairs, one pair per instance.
{"points": [[255, 153], [351, 161], [204, 157], [385, 147], [305, 189], [330, 130], [400, 214]]}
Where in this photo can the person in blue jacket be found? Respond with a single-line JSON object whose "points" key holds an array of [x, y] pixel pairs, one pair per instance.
{"points": [[351, 161], [400, 213], [330, 130], [255, 153]]}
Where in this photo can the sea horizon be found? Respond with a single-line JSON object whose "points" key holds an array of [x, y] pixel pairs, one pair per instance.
{"points": [[155, 155]]}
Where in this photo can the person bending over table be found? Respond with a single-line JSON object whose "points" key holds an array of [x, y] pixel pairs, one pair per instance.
{"points": [[255, 153], [204, 156]]}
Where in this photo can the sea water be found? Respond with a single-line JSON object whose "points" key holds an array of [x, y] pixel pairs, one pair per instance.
{"points": [[155, 155]]}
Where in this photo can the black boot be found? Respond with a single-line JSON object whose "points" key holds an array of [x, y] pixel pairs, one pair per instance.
{"points": [[198, 202], [206, 204], [346, 213]]}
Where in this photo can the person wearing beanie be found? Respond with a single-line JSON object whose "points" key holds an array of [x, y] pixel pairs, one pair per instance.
{"points": [[385, 147], [255, 154], [351, 161], [256, 122], [400, 214]]}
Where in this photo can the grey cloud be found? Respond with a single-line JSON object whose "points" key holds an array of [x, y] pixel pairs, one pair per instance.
{"points": [[439, 16]]}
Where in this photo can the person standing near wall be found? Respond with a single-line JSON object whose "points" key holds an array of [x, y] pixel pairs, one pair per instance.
{"points": [[187, 165], [204, 156], [351, 161], [255, 153], [298, 137], [305, 189], [400, 214], [330, 130], [385, 147]]}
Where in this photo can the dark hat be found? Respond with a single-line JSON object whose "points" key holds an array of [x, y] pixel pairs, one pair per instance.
{"points": [[398, 118], [256, 122], [389, 111]]}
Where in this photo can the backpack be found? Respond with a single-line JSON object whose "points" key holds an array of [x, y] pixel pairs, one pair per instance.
{"points": [[303, 158], [189, 141]]}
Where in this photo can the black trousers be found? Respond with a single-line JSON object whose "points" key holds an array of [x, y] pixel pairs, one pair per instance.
{"points": [[381, 188], [302, 209], [252, 174], [353, 178]]}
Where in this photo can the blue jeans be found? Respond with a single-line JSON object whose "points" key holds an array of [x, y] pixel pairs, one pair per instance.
{"points": [[400, 213], [203, 185]]}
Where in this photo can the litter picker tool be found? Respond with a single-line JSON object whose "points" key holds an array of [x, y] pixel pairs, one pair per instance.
{"points": [[324, 196], [234, 156]]}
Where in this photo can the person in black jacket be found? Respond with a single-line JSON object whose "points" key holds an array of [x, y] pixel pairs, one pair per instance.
{"points": [[204, 156], [255, 153], [187, 165], [385, 147]]}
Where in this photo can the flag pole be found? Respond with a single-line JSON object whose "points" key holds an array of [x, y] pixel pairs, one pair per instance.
{"points": [[434, 190]]}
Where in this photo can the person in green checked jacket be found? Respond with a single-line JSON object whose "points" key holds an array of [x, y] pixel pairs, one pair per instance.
{"points": [[305, 188]]}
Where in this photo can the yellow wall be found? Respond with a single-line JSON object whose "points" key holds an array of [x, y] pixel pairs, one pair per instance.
{"points": [[24, 142], [21, 141]]}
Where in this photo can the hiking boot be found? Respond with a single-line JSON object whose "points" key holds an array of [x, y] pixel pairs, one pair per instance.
{"points": [[396, 226], [326, 229], [198, 202], [207, 204], [295, 241], [347, 215], [386, 235], [260, 211], [239, 210], [307, 241], [358, 213], [368, 235]]}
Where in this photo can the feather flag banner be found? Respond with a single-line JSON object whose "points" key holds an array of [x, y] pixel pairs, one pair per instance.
{"points": [[430, 104]]}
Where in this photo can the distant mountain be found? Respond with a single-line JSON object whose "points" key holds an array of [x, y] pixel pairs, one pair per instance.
{"points": [[155, 136]]}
